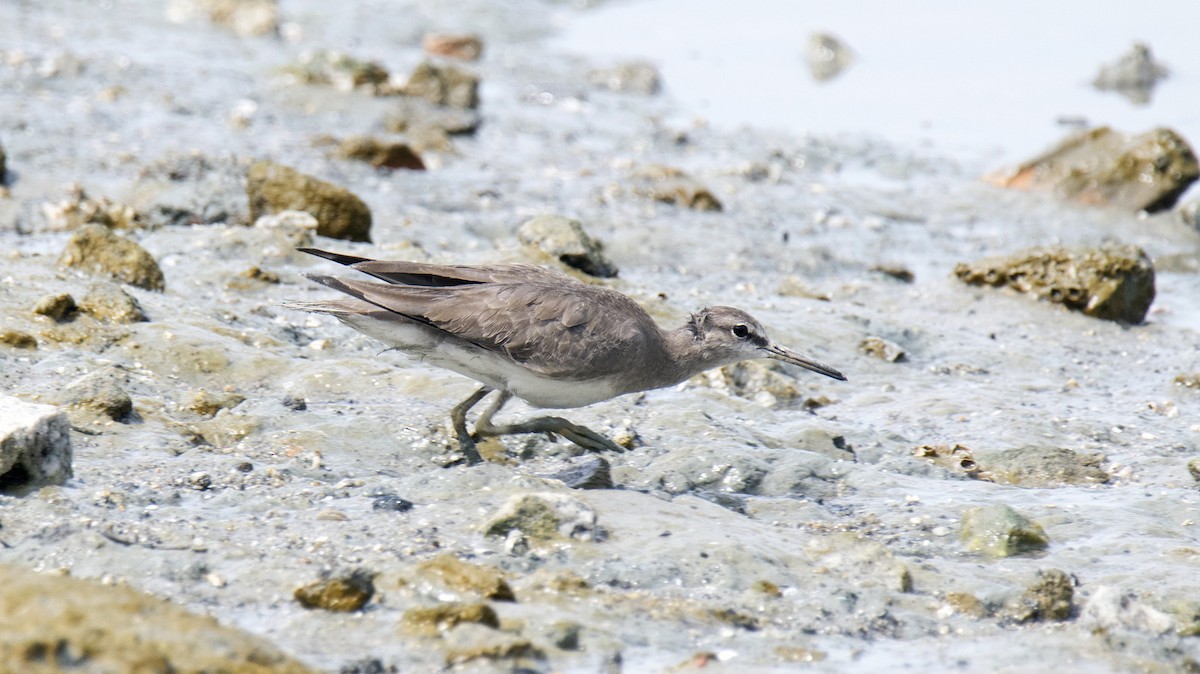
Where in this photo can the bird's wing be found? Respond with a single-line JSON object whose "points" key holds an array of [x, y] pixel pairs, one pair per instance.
{"points": [[403, 272], [571, 331]]}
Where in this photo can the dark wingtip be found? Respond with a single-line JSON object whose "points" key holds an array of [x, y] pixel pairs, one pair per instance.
{"points": [[335, 257]]}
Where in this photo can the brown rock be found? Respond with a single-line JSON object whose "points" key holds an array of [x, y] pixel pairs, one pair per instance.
{"points": [[1050, 599], [1102, 167], [96, 249], [461, 47], [61, 624], [432, 620], [345, 593], [331, 67], [208, 404], [1044, 467], [272, 188], [58, 307], [1111, 282], [381, 154], [673, 186], [17, 339], [882, 349], [108, 302], [443, 85], [461, 576]]}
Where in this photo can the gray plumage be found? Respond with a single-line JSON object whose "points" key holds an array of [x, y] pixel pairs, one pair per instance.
{"points": [[536, 334]]}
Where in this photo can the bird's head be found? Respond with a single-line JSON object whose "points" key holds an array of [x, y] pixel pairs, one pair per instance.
{"points": [[728, 335]]}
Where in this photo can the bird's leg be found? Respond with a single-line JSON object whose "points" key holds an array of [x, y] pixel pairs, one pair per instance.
{"points": [[580, 435], [458, 417]]}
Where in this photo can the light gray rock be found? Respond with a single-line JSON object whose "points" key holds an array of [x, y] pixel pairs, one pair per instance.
{"points": [[545, 516], [35, 443]]}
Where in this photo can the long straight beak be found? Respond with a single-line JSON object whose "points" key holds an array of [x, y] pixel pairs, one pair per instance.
{"points": [[785, 354]]}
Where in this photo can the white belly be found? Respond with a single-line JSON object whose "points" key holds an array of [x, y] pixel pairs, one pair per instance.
{"points": [[485, 367]]}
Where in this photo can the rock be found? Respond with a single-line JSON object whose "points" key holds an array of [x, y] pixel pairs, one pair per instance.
{"points": [[474, 642], [673, 186], [563, 239], [59, 306], [207, 404], [98, 396], [109, 302], [1102, 167], [544, 516], [273, 188], [343, 72], [1193, 466], [764, 382], [463, 577], [246, 18], [417, 119], [639, 77], [591, 472], [78, 209], [1043, 467], [255, 274], [1110, 608], [1189, 213], [1050, 599], [882, 349], [897, 271], [344, 593], [1000, 531], [443, 85], [35, 446], [1112, 282], [381, 154], [564, 634], [3, 164], [448, 45], [54, 623], [957, 459], [96, 249], [827, 56], [295, 403], [432, 620], [1134, 75], [17, 339]]}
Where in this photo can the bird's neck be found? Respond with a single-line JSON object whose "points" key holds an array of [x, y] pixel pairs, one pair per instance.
{"points": [[686, 356]]}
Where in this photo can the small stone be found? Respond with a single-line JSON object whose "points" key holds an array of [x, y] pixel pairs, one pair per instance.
{"points": [[1111, 282], [461, 47], [1044, 467], [896, 271], [246, 18], [1050, 599], [827, 56], [882, 349], [244, 467], [432, 620], [475, 642], [1193, 466], [343, 72], [464, 577], [1000, 531], [958, 459], [79, 209], [273, 188], [639, 77], [1188, 380], [208, 404], [257, 274], [58, 306], [109, 302], [35, 444], [96, 249], [800, 654], [367, 666], [593, 472], [671, 185], [295, 403], [1134, 75], [17, 339], [966, 604], [1102, 167], [381, 154], [100, 396], [443, 85], [391, 503], [563, 239], [564, 634], [1110, 608], [544, 516], [345, 593], [200, 481]]}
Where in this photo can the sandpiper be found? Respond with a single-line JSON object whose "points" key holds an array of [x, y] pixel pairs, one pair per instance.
{"points": [[538, 335]]}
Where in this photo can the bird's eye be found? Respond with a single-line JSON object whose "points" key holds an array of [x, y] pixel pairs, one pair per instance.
{"points": [[741, 331]]}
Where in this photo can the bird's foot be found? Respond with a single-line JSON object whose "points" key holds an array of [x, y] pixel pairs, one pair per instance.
{"points": [[580, 435]]}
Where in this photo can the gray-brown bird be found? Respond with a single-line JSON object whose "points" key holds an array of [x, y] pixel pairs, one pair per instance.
{"points": [[536, 334]]}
